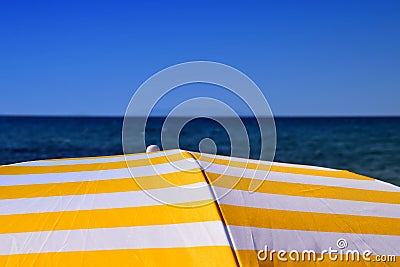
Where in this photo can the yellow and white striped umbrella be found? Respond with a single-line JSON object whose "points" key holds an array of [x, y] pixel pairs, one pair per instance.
{"points": [[91, 212]]}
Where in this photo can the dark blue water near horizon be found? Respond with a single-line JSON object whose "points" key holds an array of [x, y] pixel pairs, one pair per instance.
{"points": [[365, 145]]}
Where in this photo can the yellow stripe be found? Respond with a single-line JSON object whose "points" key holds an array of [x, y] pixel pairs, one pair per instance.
{"points": [[309, 221], [306, 190], [249, 258], [167, 257], [15, 170], [107, 218], [284, 169], [92, 158], [101, 186]]}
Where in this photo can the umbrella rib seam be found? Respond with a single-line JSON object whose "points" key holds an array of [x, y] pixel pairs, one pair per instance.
{"points": [[225, 225]]}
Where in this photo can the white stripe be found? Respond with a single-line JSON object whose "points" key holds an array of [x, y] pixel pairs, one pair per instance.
{"points": [[156, 236], [252, 238], [171, 195], [306, 204], [141, 171], [118, 158], [260, 162], [300, 178]]}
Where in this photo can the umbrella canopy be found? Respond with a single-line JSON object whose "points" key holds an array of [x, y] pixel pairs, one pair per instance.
{"points": [[176, 207]]}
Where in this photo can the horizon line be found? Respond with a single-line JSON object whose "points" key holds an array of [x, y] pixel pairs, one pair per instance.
{"points": [[218, 116]]}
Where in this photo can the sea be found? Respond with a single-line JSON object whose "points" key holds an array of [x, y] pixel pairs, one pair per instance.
{"points": [[365, 145]]}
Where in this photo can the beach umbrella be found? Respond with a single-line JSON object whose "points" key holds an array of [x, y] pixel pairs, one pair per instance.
{"points": [[180, 208]]}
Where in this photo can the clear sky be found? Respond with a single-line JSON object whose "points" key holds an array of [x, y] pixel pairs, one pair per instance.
{"points": [[308, 57]]}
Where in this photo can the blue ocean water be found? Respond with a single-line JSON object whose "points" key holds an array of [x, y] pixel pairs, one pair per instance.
{"points": [[369, 146]]}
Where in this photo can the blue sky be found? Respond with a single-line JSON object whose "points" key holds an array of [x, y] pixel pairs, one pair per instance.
{"points": [[308, 57]]}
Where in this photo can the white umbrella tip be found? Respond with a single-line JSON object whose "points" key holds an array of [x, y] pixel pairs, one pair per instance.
{"points": [[152, 148]]}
